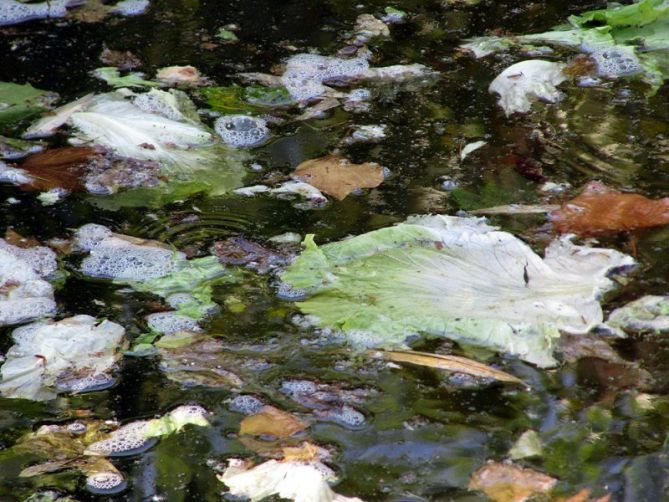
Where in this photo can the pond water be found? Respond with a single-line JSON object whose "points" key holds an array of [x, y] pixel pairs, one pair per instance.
{"points": [[399, 433]]}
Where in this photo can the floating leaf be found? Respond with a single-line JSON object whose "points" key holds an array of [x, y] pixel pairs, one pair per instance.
{"points": [[510, 483], [187, 76], [294, 480], [600, 210], [450, 363], [522, 83], [648, 314], [112, 76], [227, 35], [60, 167], [271, 421], [457, 278], [228, 100], [19, 102], [527, 445], [338, 177]]}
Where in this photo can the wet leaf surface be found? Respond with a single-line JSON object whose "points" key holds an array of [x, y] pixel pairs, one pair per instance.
{"points": [[510, 483], [336, 176], [600, 210], [271, 421]]}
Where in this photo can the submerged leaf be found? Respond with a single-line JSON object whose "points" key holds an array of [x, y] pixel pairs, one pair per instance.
{"points": [[453, 277], [449, 363], [522, 83], [600, 209], [338, 177], [510, 483], [271, 421]]}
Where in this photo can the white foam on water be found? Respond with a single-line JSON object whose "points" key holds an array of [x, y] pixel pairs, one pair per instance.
{"points": [[242, 131]]}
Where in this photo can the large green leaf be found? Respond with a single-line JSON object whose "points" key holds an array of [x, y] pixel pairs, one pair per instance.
{"points": [[18, 102], [454, 277]]}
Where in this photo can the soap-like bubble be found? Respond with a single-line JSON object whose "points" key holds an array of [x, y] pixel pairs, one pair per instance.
{"points": [[246, 404], [242, 131], [89, 236], [293, 387], [616, 62], [130, 7], [105, 483], [306, 74], [129, 439], [344, 415], [171, 322]]}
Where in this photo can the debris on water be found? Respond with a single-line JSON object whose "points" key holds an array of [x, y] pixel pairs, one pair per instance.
{"points": [[648, 314], [14, 149], [15, 12], [74, 354], [292, 480], [366, 134], [240, 251], [522, 83], [462, 249], [53, 196], [25, 294], [130, 7], [123, 60], [337, 176], [368, 28], [112, 76], [246, 404], [186, 76], [471, 147]]}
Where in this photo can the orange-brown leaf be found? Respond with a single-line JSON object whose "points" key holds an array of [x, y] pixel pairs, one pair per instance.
{"points": [[450, 363], [304, 453], [271, 421], [601, 210], [59, 168], [336, 176], [510, 483]]}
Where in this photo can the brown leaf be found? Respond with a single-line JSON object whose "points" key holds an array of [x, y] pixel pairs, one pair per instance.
{"points": [[271, 421], [123, 60], [336, 176], [510, 483], [241, 251], [59, 168], [600, 210], [449, 363], [16, 239]]}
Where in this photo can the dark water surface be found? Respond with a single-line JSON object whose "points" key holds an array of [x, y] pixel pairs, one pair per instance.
{"points": [[424, 434]]}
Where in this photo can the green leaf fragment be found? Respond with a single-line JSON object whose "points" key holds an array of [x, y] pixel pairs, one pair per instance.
{"points": [[22, 101], [112, 76], [226, 35]]}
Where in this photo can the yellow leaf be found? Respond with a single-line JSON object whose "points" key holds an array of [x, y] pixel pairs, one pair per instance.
{"points": [[449, 363], [271, 421], [510, 483], [336, 176]]}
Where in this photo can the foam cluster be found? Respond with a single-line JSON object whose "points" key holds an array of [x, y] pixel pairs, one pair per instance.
{"points": [[246, 404], [344, 415], [126, 440], [296, 387], [306, 74], [130, 7], [14, 12], [87, 383], [171, 322], [616, 62], [24, 294], [159, 102], [114, 256], [105, 482], [242, 131]]}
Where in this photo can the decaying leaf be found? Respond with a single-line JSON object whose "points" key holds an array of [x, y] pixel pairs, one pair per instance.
{"points": [[59, 168], [241, 251], [453, 277], [123, 60], [271, 421], [306, 452], [600, 210], [187, 76], [450, 363], [522, 83], [338, 177], [297, 481], [510, 483]]}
